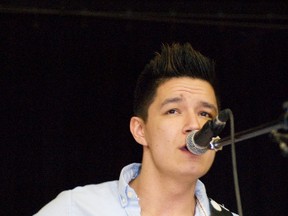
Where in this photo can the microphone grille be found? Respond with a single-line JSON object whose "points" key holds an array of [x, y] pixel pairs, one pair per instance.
{"points": [[190, 144]]}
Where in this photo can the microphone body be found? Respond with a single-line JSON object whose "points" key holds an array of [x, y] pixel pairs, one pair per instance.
{"points": [[198, 141]]}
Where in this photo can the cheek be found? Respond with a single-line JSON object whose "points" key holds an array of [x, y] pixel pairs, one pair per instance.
{"points": [[160, 138], [166, 133], [162, 132], [210, 156]]}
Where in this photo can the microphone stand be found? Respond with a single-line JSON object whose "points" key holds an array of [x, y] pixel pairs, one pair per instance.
{"points": [[276, 128], [272, 128]]}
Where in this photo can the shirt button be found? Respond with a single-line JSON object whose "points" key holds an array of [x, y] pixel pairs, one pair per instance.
{"points": [[130, 194]]}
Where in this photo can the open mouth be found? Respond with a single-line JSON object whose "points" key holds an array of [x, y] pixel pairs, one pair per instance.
{"points": [[184, 148]]}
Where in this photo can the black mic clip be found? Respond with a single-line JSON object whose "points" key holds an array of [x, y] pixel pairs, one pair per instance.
{"points": [[214, 141]]}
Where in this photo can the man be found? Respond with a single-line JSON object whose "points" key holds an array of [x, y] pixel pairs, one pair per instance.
{"points": [[174, 95]]}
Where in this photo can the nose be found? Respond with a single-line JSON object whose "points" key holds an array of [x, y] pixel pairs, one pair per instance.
{"points": [[192, 122]]}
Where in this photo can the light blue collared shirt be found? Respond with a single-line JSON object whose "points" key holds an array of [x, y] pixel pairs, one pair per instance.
{"points": [[110, 198]]}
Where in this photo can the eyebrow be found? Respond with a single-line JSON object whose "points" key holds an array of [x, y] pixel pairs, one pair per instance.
{"points": [[180, 99], [171, 100]]}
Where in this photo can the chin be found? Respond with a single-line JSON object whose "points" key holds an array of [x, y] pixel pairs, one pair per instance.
{"points": [[194, 171]]}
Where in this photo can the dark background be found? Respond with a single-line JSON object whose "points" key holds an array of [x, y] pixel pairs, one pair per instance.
{"points": [[67, 75]]}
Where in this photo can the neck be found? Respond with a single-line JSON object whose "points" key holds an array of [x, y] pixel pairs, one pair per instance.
{"points": [[163, 195]]}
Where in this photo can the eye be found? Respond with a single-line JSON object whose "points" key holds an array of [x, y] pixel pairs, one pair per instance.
{"points": [[206, 115], [172, 111]]}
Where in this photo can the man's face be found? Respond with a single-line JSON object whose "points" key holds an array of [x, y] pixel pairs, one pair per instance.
{"points": [[180, 106]]}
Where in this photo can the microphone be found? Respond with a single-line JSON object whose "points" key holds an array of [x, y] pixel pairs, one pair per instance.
{"points": [[199, 141]]}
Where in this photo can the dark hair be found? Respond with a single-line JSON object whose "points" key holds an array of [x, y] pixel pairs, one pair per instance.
{"points": [[174, 61]]}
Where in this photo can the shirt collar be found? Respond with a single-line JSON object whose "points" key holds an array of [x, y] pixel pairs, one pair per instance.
{"points": [[127, 193], [200, 193], [127, 174]]}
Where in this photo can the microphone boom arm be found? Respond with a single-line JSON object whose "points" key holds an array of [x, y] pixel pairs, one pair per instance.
{"points": [[271, 128], [250, 133]]}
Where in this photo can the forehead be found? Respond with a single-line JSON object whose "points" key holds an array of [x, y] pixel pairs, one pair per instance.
{"points": [[186, 88]]}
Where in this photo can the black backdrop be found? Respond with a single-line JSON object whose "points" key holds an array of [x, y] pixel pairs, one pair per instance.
{"points": [[66, 100]]}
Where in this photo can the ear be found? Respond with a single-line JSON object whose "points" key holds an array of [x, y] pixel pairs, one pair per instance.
{"points": [[137, 127]]}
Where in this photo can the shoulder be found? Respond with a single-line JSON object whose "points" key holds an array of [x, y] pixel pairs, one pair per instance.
{"points": [[95, 190], [87, 198]]}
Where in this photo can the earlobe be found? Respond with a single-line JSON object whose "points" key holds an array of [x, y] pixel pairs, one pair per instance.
{"points": [[137, 130]]}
